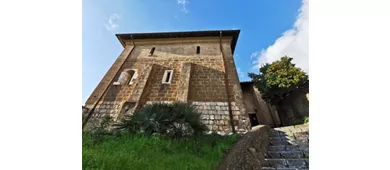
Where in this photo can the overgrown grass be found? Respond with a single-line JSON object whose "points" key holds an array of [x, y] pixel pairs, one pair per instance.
{"points": [[141, 152]]}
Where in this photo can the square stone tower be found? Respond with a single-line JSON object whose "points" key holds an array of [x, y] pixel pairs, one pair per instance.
{"points": [[195, 67]]}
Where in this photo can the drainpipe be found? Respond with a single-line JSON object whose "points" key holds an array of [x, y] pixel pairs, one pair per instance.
{"points": [[226, 84], [106, 88]]}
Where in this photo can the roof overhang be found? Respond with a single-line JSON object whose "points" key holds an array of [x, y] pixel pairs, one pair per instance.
{"points": [[246, 82], [186, 34]]}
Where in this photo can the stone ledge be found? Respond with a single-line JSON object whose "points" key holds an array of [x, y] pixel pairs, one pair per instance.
{"points": [[248, 152]]}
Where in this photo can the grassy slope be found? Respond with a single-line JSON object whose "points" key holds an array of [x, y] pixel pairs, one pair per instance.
{"points": [[154, 153]]}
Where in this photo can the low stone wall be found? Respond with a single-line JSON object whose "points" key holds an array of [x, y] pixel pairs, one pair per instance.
{"points": [[215, 115], [103, 108], [248, 152], [106, 108]]}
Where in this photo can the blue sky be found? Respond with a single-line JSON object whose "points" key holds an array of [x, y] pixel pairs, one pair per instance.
{"points": [[269, 29]]}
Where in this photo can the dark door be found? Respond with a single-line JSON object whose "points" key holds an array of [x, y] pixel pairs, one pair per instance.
{"points": [[253, 119]]}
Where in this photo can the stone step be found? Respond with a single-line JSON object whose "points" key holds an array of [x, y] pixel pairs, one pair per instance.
{"points": [[270, 168], [286, 154], [288, 149], [284, 148], [287, 163], [278, 142], [290, 134]]}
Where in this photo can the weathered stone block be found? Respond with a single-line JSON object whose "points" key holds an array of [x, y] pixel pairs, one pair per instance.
{"points": [[278, 163], [296, 163], [291, 154]]}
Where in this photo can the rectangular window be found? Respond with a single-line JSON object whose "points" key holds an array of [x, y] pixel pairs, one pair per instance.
{"points": [[198, 50], [167, 78], [152, 51]]}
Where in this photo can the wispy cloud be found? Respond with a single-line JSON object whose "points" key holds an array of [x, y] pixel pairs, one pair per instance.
{"points": [[176, 17], [112, 22], [234, 27], [293, 43], [184, 4], [239, 72], [255, 54]]}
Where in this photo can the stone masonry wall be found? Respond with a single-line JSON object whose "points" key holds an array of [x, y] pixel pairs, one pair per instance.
{"points": [[234, 89], [247, 153], [109, 76], [197, 78], [207, 81], [215, 115], [184, 83]]}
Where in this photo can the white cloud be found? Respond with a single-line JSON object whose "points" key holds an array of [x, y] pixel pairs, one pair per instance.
{"points": [[113, 22], [239, 72], [293, 43], [184, 3]]}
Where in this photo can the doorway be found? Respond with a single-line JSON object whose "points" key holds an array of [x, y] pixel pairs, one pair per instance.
{"points": [[253, 119]]}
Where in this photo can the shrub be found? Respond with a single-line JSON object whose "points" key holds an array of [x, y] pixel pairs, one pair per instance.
{"points": [[297, 122], [171, 120], [306, 120], [300, 121]]}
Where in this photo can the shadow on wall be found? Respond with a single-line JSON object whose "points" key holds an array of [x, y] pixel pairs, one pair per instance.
{"points": [[155, 90]]}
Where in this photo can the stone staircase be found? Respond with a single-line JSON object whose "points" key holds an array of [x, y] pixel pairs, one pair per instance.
{"points": [[288, 148]]}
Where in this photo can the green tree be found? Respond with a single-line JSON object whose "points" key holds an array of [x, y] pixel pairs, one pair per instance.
{"points": [[278, 79]]}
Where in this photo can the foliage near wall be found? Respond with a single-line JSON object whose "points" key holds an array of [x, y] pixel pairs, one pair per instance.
{"points": [[277, 80]]}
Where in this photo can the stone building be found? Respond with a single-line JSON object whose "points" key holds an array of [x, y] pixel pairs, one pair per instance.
{"points": [[195, 67], [292, 108], [258, 111]]}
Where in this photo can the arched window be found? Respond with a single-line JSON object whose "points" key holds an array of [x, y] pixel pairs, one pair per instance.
{"points": [[126, 77]]}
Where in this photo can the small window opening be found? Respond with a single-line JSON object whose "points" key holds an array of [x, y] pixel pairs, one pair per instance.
{"points": [[198, 50], [167, 78], [152, 51]]}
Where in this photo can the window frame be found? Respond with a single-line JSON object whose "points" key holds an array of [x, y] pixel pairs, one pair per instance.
{"points": [[134, 77], [130, 80], [165, 77]]}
